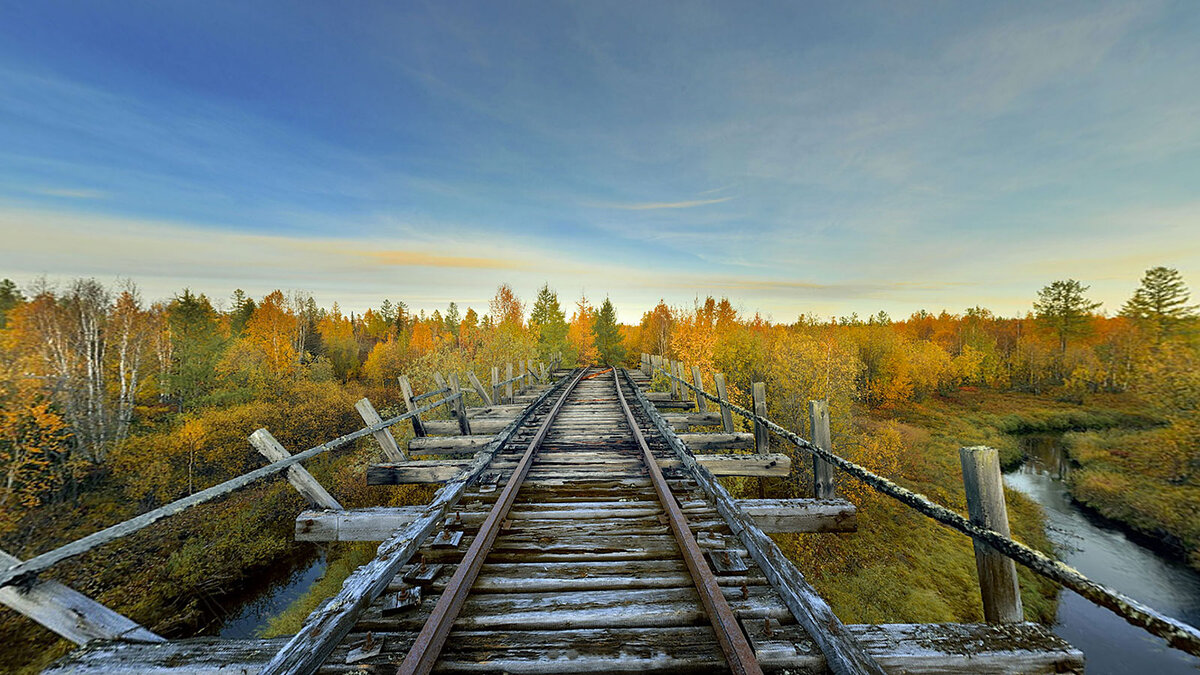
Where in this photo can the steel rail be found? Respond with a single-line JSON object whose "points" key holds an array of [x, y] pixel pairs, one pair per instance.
{"points": [[738, 652], [424, 653]]}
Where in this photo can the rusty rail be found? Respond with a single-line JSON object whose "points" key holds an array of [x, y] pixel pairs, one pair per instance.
{"points": [[428, 645], [738, 653]]}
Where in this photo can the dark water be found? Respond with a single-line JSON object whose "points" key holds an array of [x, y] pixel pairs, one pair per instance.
{"points": [[246, 617], [1105, 554]]}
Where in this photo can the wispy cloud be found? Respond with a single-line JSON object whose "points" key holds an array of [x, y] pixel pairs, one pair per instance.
{"points": [[651, 206], [70, 193], [426, 259]]}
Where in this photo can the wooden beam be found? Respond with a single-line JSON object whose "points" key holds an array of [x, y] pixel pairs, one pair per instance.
{"points": [[985, 506], [726, 412], [384, 436], [68, 612], [438, 445], [300, 479], [681, 421], [459, 407], [705, 442], [771, 515], [478, 387], [919, 649], [426, 471], [508, 386], [823, 485], [486, 425], [406, 392], [496, 386]]}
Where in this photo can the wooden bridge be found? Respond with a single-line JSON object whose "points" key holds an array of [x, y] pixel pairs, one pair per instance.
{"points": [[580, 527]]}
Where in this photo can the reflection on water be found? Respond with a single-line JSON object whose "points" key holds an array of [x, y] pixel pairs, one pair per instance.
{"points": [[253, 614], [1105, 554]]}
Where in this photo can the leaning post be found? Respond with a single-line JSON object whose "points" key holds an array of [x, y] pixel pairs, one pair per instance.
{"points": [[701, 403], [406, 392], [300, 479], [823, 486], [762, 437], [387, 442], [985, 505], [478, 387], [726, 411], [459, 406]]}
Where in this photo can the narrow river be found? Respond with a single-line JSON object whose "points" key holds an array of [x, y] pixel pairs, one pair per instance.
{"points": [[1105, 554]]}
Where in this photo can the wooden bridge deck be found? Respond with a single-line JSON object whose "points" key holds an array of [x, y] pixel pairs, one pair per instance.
{"points": [[585, 575]]}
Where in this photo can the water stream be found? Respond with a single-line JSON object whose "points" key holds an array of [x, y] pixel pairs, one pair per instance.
{"points": [[1103, 552], [252, 613]]}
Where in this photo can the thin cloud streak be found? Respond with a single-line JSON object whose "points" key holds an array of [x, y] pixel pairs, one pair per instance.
{"points": [[653, 206]]}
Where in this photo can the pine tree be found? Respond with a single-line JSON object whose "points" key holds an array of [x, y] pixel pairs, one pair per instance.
{"points": [[1160, 303], [1065, 310], [549, 323], [10, 297], [608, 335]]}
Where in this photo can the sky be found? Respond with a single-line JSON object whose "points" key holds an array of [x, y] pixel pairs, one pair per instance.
{"points": [[822, 158]]}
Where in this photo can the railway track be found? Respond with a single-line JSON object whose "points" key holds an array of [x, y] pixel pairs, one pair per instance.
{"points": [[574, 566]]}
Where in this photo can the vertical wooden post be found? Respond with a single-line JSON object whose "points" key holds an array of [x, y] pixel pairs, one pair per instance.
{"points": [[300, 479], [384, 437], [524, 375], [986, 508], [726, 412], [545, 375], [478, 387], [823, 486], [508, 388], [496, 385], [406, 392], [673, 368], [701, 402], [762, 437], [459, 406]]}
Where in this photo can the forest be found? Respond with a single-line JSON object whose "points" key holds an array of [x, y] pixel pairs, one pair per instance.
{"points": [[111, 405]]}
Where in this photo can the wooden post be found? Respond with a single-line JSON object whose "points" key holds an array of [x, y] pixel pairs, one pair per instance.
{"points": [[762, 437], [823, 486], [68, 612], [459, 407], [508, 388], [726, 412], [301, 479], [384, 436], [496, 385], [524, 375], [646, 364], [478, 387], [545, 375], [986, 508], [701, 402], [441, 384], [406, 392], [674, 370]]}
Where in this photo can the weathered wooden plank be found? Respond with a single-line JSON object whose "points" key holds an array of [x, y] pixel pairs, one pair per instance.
{"points": [[384, 436], [801, 515], [483, 426], [726, 412], [406, 393], [762, 436], [298, 476], [478, 387], [681, 421], [433, 445], [458, 407], [823, 485], [934, 649], [68, 612], [701, 403], [739, 440]]}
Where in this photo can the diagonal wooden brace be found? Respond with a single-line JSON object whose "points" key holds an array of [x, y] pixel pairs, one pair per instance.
{"points": [[301, 479]]}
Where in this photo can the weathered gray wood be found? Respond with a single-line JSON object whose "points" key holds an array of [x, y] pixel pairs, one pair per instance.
{"points": [[762, 436], [69, 613], [478, 387], [326, 626], [545, 377], [801, 515], [673, 368], [920, 649], [459, 407], [406, 393], [486, 425], [441, 383], [823, 485], [701, 403], [704, 442], [508, 386], [384, 436], [496, 386], [682, 421], [726, 413], [843, 652], [300, 478], [436, 445], [986, 508]]}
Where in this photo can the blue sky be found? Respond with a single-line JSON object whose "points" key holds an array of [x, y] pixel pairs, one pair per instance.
{"points": [[796, 157]]}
